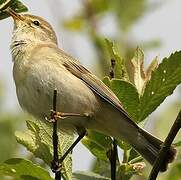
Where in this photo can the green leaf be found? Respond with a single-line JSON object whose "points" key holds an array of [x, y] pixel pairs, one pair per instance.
{"points": [[128, 95], [107, 81], [4, 4], [175, 172], [14, 4], [162, 84], [38, 140], [88, 176], [134, 157], [139, 75], [99, 144], [177, 144], [151, 68], [123, 145], [74, 24], [23, 169], [101, 167], [119, 70]]}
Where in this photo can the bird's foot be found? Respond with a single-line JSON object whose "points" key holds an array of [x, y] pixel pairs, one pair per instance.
{"points": [[56, 166], [55, 115]]}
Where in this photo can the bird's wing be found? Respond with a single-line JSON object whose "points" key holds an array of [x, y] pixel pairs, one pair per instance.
{"points": [[92, 81]]}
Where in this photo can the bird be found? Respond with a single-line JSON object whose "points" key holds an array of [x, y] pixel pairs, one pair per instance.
{"points": [[40, 66]]}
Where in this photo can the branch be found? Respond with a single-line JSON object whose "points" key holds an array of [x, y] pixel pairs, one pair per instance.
{"points": [[114, 151], [55, 163], [113, 159], [111, 72], [165, 147]]}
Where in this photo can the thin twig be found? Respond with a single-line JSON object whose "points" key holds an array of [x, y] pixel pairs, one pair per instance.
{"points": [[114, 151], [55, 162], [113, 160], [165, 147], [111, 72], [81, 135]]}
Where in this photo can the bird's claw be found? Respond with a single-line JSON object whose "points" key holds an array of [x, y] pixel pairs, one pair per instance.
{"points": [[55, 115], [55, 166]]}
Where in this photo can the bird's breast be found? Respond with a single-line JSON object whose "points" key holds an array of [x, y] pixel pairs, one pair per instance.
{"points": [[35, 84]]}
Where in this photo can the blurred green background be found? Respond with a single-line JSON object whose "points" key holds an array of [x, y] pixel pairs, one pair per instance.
{"points": [[82, 26]]}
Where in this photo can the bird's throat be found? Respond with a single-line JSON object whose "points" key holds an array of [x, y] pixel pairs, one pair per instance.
{"points": [[18, 49]]}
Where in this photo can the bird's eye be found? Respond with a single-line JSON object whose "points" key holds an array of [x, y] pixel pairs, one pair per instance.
{"points": [[37, 23]]}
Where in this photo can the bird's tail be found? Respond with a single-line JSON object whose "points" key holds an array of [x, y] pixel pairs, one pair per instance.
{"points": [[148, 146]]}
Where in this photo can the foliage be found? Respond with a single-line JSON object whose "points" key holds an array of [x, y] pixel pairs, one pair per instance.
{"points": [[23, 169], [157, 81], [134, 86], [148, 89], [164, 80], [98, 144], [14, 4], [175, 173], [125, 14], [38, 140]]}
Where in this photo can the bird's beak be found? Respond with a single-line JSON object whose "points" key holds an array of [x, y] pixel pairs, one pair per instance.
{"points": [[14, 14]]}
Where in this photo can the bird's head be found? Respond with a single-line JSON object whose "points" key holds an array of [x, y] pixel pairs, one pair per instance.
{"points": [[32, 28]]}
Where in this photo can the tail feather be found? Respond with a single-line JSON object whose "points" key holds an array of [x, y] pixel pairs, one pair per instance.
{"points": [[149, 149]]}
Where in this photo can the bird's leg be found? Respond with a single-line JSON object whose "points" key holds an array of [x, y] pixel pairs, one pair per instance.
{"points": [[81, 132], [61, 115]]}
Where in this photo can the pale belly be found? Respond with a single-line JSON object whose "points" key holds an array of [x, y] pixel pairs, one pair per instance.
{"points": [[35, 95]]}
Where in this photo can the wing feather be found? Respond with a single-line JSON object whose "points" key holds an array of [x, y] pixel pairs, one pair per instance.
{"points": [[92, 81]]}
